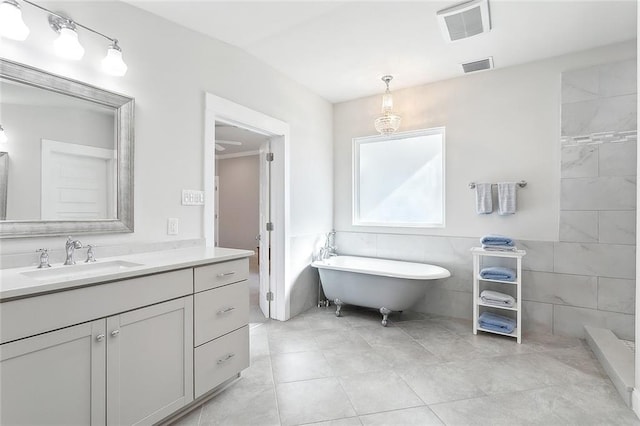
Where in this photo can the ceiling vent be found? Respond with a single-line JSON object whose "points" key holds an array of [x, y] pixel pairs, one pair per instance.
{"points": [[465, 20], [480, 65]]}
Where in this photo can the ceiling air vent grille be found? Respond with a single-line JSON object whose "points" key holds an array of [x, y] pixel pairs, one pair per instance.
{"points": [[480, 65], [464, 20]]}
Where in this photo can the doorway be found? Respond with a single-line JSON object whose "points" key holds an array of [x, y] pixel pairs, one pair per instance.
{"points": [[242, 203], [275, 280]]}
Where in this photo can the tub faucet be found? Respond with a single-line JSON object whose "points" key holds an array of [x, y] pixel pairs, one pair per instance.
{"points": [[70, 246], [328, 250]]}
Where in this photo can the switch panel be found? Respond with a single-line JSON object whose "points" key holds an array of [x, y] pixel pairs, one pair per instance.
{"points": [[192, 197], [172, 226]]}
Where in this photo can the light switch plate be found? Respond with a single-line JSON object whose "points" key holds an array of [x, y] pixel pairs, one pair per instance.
{"points": [[172, 226], [192, 197]]}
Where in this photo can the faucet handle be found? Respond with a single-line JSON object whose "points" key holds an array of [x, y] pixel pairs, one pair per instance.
{"points": [[90, 254], [44, 258]]}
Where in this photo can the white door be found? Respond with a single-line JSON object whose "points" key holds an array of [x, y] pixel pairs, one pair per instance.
{"points": [[55, 378], [265, 236], [149, 362], [76, 182]]}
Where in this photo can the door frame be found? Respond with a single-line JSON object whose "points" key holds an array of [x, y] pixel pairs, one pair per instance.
{"points": [[226, 111]]}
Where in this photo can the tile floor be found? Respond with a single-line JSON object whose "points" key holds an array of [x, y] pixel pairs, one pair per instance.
{"points": [[420, 370]]}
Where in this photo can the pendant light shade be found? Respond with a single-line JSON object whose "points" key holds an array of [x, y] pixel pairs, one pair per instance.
{"points": [[11, 24], [113, 63], [388, 122], [67, 44]]}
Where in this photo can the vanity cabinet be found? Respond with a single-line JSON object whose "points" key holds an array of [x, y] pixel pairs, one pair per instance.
{"points": [[221, 317], [132, 368]]}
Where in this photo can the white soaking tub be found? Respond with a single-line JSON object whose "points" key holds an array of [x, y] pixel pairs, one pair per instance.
{"points": [[387, 285]]}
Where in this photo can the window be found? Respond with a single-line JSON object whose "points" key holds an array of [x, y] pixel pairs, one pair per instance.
{"points": [[398, 180]]}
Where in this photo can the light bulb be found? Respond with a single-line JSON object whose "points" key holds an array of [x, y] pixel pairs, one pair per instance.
{"points": [[387, 102], [113, 63], [11, 24], [67, 44]]}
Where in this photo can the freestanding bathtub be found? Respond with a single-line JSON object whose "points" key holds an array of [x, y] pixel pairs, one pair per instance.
{"points": [[387, 285]]}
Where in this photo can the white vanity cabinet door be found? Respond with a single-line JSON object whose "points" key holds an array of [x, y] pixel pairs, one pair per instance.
{"points": [[55, 378], [149, 362]]}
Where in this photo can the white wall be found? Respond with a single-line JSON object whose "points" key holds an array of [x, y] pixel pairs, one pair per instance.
{"points": [[170, 69], [501, 125], [239, 196]]}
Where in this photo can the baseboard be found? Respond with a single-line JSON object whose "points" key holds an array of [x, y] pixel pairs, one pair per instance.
{"points": [[635, 401]]}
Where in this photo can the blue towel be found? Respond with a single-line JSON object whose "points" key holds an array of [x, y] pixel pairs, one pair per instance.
{"points": [[495, 322], [496, 240], [498, 273]]}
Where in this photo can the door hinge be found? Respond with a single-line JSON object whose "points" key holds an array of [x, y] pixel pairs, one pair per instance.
{"points": [[269, 226], [270, 296], [269, 156]]}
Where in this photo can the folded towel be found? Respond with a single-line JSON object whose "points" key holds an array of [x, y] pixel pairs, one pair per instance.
{"points": [[498, 273], [484, 198], [496, 240], [506, 198], [495, 322], [499, 248], [496, 298]]}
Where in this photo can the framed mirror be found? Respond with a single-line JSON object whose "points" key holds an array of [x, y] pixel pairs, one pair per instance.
{"points": [[68, 163]]}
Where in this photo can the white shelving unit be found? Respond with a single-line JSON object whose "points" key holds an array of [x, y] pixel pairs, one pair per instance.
{"points": [[478, 262]]}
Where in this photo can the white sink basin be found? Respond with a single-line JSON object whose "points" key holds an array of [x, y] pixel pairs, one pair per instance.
{"points": [[80, 270]]}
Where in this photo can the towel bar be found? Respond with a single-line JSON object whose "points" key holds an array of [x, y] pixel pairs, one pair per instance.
{"points": [[521, 184]]}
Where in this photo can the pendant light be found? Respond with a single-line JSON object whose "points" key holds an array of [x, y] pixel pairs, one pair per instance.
{"points": [[113, 63], [388, 122], [67, 44]]}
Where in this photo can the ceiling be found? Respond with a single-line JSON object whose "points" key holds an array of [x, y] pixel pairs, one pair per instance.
{"points": [[341, 49], [251, 141]]}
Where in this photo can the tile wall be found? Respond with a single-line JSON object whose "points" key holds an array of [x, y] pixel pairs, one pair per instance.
{"points": [[588, 276]]}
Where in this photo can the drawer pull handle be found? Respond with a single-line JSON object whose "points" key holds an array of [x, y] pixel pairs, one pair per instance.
{"points": [[226, 358], [100, 337], [114, 333], [226, 274], [225, 310]]}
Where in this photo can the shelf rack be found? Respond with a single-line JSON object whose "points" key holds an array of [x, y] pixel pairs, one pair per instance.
{"points": [[478, 255]]}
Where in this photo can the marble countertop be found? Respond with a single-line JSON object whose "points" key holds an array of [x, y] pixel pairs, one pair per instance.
{"points": [[24, 282]]}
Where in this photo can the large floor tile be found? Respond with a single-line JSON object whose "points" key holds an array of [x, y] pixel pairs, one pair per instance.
{"points": [[378, 335], [295, 366], [346, 363], [379, 391], [440, 383], [340, 340], [242, 405], [422, 416], [292, 341], [406, 354], [313, 401]]}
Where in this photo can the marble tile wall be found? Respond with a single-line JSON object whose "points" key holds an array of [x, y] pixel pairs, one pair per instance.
{"points": [[588, 276]]}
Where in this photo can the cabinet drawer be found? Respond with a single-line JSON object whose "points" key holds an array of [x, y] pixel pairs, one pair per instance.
{"points": [[220, 311], [219, 274], [220, 360]]}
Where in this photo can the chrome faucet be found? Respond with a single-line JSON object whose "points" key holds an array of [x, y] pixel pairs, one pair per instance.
{"points": [[91, 254], [44, 258], [328, 250], [70, 246]]}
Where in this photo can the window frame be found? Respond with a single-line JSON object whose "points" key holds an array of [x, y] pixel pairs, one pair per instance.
{"points": [[355, 177]]}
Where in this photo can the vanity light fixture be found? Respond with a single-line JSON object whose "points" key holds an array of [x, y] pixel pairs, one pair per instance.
{"points": [[67, 44], [113, 63], [11, 24], [388, 122], [3, 135]]}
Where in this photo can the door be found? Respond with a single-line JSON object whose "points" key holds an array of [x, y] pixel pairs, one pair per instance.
{"points": [[76, 182], [150, 362], [216, 214], [55, 378], [265, 234]]}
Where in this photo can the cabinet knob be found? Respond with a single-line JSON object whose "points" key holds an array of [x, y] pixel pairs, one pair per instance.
{"points": [[225, 310], [100, 337], [226, 274], [114, 333], [226, 358]]}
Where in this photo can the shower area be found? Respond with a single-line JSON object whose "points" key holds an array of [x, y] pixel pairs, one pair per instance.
{"points": [[598, 205]]}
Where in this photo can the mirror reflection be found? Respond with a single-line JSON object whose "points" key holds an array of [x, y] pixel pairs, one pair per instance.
{"points": [[62, 155]]}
